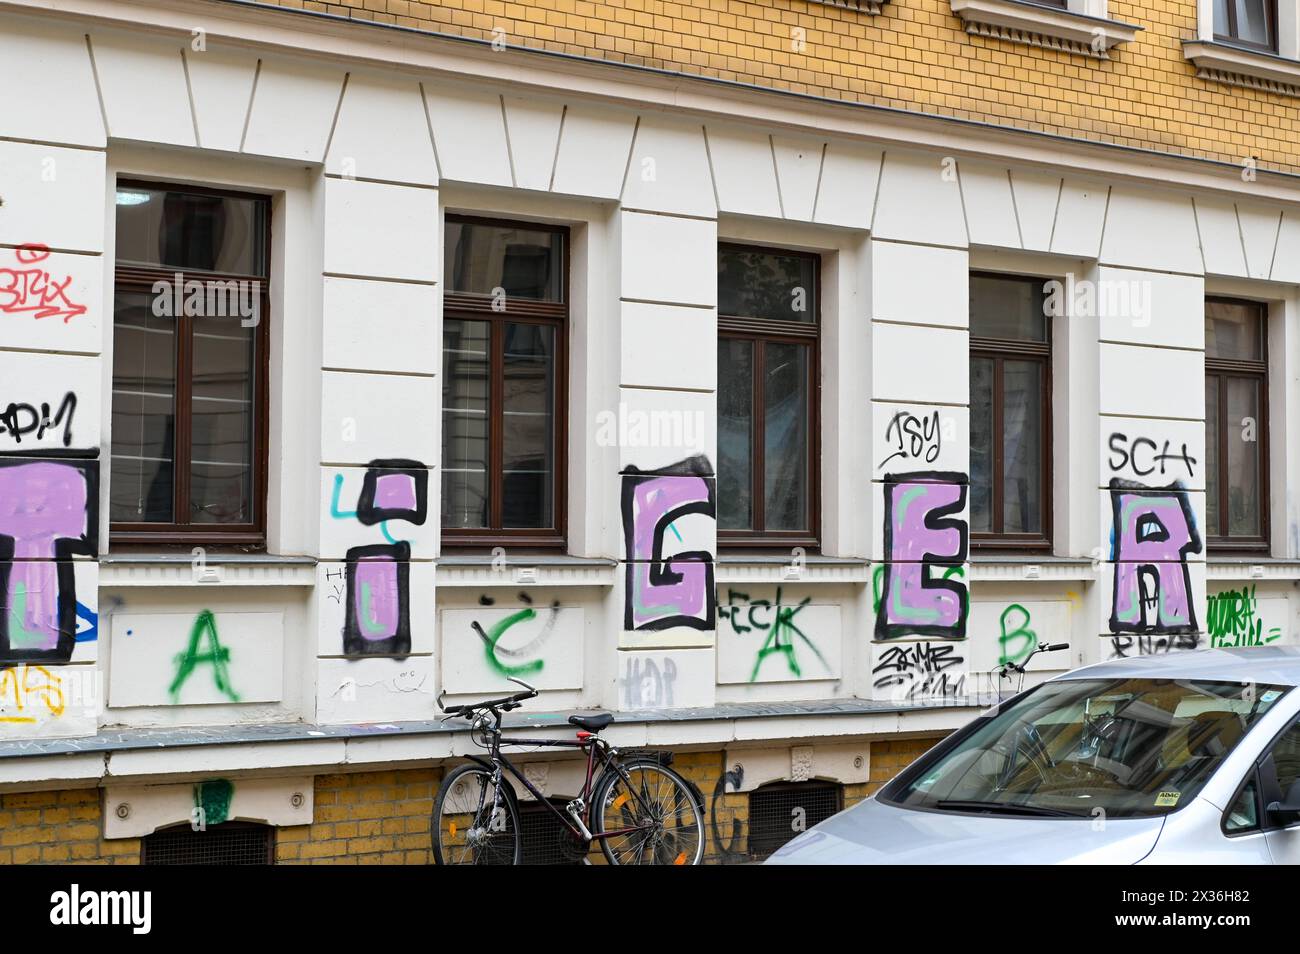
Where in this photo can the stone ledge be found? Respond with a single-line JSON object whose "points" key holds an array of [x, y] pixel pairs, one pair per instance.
{"points": [[1038, 25], [1235, 66]]}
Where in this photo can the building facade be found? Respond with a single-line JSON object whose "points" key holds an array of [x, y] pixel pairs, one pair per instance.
{"points": [[769, 374]]}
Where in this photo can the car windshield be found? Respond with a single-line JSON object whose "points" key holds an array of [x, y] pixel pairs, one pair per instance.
{"points": [[1088, 748]]}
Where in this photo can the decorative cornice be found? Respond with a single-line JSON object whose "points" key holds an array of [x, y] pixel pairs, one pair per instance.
{"points": [[1252, 69], [869, 7], [1048, 27]]}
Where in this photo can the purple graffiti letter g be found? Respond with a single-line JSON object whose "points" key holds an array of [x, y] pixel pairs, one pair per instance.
{"points": [[44, 507], [1153, 533], [666, 589]]}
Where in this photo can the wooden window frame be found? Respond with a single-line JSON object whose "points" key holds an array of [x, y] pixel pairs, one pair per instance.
{"points": [[759, 332], [135, 278], [1256, 370], [472, 307], [998, 349], [1231, 37]]}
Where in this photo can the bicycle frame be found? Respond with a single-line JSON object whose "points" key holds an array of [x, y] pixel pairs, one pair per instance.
{"points": [[593, 746]]}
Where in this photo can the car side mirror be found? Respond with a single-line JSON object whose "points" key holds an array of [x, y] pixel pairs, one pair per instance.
{"points": [[1289, 804]]}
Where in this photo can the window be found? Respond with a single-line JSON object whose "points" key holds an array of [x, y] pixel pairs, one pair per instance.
{"points": [[1236, 426], [768, 324], [1010, 412], [1246, 23], [780, 810], [190, 365], [1243, 814], [505, 317]]}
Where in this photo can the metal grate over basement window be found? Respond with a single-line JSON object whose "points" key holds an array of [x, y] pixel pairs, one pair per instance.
{"points": [[781, 810], [543, 835], [230, 843]]}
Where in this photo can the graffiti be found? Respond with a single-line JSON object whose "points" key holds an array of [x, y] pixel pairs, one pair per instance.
{"points": [[1232, 619], [1124, 452], [1153, 533], [28, 690], [1015, 639], [376, 589], [394, 490], [912, 437], [491, 638], [647, 685], [777, 621], [212, 800], [922, 593], [36, 290], [1151, 644], [215, 655], [729, 851], [667, 589], [48, 513], [88, 633], [915, 672], [19, 420], [377, 612]]}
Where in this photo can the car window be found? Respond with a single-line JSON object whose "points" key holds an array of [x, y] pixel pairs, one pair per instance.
{"points": [[1080, 748], [1244, 814], [1286, 758]]}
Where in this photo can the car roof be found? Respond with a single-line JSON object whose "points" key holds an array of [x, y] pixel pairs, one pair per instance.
{"points": [[1279, 665]]}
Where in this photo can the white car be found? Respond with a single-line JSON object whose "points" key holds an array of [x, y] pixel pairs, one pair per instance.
{"points": [[1188, 757]]}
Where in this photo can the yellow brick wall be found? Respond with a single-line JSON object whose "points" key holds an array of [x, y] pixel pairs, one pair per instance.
{"points": [[914, 56], [59, 828], [371, 817]]}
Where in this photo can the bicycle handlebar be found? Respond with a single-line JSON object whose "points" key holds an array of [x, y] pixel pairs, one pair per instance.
{"points": [[504, 704]]}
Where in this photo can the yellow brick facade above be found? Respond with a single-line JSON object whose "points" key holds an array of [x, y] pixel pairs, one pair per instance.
{"points": [[914, 56]]}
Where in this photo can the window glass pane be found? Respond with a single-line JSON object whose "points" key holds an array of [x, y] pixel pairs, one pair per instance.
{"points": [[1252, 21], [1244, 813], [1007, 308], [465, 376], [528, 434], [144, 397], [1242, 436], [1234, 330], [753, 283], [504, 260], [1212, 433], [1286, 759], [1022, 446], [981, 445], [785, 437], [735, 434], [221, 421], [1221, 25], [191, 231]]}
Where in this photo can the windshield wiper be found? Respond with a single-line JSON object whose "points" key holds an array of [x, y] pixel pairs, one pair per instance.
{"points": [[1004, 808]]}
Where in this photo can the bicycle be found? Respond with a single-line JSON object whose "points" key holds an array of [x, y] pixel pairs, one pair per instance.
{"points": [[638, 809]]}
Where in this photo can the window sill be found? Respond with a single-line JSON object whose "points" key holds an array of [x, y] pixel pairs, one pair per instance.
{"points": [[781, 568], [1009, 568], [1038, 25], [1239, 66], [870, 7], [1223, 567], [218, 569], [521, 569]]}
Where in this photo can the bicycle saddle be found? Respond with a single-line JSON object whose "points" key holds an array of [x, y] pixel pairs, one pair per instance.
{"points": [[592, 723]]}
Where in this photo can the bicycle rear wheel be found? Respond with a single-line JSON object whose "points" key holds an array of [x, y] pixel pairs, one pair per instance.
{"points": [[475, 821], [654, 813]]}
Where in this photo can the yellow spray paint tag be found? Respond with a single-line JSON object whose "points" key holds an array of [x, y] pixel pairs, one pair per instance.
{"points": [[618, 802], [1167, 799]]}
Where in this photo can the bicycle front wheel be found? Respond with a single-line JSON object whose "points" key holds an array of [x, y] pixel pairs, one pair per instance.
{"points": [[475, 820], [651, 817]]}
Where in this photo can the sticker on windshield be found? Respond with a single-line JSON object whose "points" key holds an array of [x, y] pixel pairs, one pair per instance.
{"points": [[1269, 696], [1167, 799]]}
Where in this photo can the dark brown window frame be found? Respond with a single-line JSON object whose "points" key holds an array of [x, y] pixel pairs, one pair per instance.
{"points": [[1231, 37], [759, 331], [526, 311], [134, 277], [1222, 369], [997, 349]]}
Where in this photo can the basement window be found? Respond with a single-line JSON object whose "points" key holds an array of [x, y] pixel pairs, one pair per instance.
{"points": [[230, 843], [780, 810], [544, 836]]}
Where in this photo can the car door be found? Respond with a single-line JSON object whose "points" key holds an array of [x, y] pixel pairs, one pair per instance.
{"points": [[1279, 770]]}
